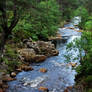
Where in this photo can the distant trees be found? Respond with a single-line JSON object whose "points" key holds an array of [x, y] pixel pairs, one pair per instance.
{"points": [[87, 4], [67, 7]]}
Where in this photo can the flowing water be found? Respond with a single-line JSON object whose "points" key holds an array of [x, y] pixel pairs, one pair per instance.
{"points": [[59, 74]]}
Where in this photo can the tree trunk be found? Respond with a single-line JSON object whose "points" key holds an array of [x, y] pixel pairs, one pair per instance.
{"points": [[2, 44]]}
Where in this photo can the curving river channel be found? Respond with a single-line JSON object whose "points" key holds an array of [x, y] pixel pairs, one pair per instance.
{"points": [[59, 74]]}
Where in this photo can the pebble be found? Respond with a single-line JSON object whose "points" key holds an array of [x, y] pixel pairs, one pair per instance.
{"points": [[13, 74], [44, 89], [43, 70]]}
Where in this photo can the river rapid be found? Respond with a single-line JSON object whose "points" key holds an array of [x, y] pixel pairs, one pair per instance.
{"points": [[59, 74]]}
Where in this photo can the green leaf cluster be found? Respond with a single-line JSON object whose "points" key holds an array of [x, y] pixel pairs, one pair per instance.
{"points": [[40, 22]]}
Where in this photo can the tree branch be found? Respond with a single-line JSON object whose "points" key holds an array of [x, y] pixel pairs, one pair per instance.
{"points": [[15, 17], [4, 19]]}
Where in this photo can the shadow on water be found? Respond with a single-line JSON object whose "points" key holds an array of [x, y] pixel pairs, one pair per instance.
{"points": [[59, 74]]}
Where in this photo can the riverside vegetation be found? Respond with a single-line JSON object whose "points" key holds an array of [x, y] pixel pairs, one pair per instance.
{"points": [[28, 24]]}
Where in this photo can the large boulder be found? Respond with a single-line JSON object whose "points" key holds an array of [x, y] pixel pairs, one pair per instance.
{"points": [[26, 54], [47, 48], [39, 58], [30, 55], [43, 48], [37, 51]]}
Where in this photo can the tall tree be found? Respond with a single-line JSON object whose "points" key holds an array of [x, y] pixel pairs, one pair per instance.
{"points": [[16, 7]]}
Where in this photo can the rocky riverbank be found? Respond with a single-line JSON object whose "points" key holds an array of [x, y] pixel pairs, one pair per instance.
{"points": [[27, 52]]}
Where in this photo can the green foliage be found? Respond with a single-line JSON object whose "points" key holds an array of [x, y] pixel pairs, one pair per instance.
{"points": [[41, 22], [90, 90], [82, 11], [89, 79], [88, 25], [11, 59], [79, 69], [76, 46], [84, 44], [12, 65]]}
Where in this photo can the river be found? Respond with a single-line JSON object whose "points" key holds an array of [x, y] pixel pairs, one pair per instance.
{"points": [[59, 74]]}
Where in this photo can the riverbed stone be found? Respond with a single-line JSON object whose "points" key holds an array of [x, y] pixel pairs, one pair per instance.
{"points": [[19, 70], [43, 89], [66, 90], [27, 68], [70, 87], [39, 58], [7, 78], [13, 74], [71, 28], [43, 70], [73, 64]]}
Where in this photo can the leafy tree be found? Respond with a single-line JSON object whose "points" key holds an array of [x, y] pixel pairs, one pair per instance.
{"points": [[35, 18], [8, 23], [88, 25], [41, 22], [83, 12], [45, 20]]}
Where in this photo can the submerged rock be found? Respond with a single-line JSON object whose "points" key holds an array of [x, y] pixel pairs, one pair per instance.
{"points": [[70, 87], [73, 64], [43, 70], [39, 58], [66, 90], [27, 68], [43, 89]]}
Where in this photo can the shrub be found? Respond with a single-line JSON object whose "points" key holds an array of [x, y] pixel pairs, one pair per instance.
{"points": [[90, 90], [88, 25], [88, 79], [11, 58], [81, 11]]}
